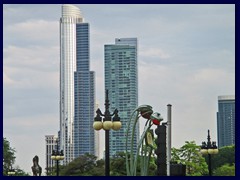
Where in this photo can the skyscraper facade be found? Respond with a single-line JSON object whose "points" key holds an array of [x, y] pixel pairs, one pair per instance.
{"points": [[121, 80], [226, 120], [77, 86]]}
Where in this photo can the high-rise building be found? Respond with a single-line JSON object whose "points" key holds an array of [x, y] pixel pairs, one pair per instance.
{"points": [[51, 145], [226, 120], [77, 86], [121, 80]]}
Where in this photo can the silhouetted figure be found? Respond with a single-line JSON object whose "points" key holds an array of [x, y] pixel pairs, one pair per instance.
{"points": [[36, 168]]}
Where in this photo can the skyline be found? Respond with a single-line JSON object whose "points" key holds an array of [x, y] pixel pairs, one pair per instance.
{"points": [[186, 52], [77, 86]]}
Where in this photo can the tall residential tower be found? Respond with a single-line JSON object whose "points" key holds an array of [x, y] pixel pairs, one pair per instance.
{"points": [[226, 120], [77, 86], [121, 80]]}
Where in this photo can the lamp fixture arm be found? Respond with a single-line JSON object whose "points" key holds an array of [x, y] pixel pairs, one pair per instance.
{"points": [[114, 113], [100, 112]]}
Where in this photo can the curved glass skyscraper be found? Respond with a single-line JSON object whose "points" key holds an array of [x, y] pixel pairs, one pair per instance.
{"points": [[77, 91]]}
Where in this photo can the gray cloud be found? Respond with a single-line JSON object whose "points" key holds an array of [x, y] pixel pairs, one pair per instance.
{"points": [[32, 33], [31, 58]]}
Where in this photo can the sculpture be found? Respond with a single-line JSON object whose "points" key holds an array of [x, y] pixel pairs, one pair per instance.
{"points": [[145, 147], [36, 168]]}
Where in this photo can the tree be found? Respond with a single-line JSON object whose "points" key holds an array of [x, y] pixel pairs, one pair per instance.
{"points": [[118, 165], [225, 170], [9, 159], [85, 165], [20, 172], [52, 171], [8, 156], [98, 170], [189, 154], [226, 155]]}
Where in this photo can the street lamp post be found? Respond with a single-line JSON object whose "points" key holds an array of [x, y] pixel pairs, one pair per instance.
{"points": [[107, 124], [57, 155], [209, 148]]}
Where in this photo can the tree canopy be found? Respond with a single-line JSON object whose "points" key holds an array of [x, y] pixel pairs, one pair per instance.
{"points": [[226, 155], [9, 160], [84, 165], [225, 170], [88, 165], [223, 163], [118, 165], [189, 154], [8, 156]]}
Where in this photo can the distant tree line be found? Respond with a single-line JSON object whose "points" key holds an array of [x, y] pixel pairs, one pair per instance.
{"points": [[223, 163]]}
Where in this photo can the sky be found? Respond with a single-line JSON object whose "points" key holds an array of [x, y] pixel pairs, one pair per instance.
{"points": [[186, 58]]}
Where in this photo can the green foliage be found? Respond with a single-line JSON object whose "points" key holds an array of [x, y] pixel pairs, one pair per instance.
{"points": [[85, 165], [118, 165], [98, 170], [52, 171], [225, 170], [189, 154], [8, 156], [226, 155], [152, 167], [9, 159], [88, 165], [20, 172], [223, 163]]}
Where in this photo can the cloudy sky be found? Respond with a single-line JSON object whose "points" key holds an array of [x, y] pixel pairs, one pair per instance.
{"points": [[186, 58]]}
